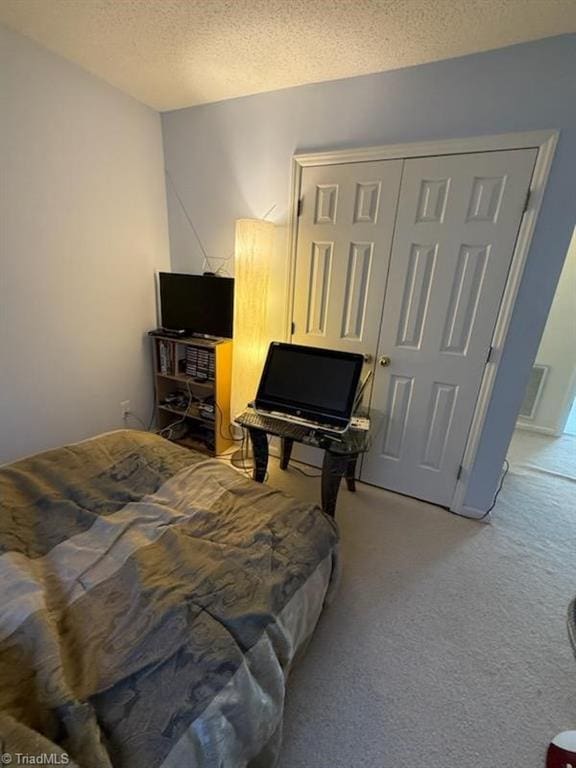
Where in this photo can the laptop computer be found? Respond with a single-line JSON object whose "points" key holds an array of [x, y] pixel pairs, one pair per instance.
{"points": [[309, 385]]}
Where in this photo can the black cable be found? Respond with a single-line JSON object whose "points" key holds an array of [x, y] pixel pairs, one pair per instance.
{"points": [[290, 463], [244, 462], [491, 507], [250, 465], [302, 472], [498, 491], [192, 400], [306, 474], [185, 414], [244, 450], [223, 436], [129, 414]]}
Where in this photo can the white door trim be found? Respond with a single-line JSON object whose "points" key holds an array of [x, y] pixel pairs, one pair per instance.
{"points": [[545, 142]]}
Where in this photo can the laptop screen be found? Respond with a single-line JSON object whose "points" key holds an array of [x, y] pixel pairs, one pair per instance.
{"points": [[317, 384]]}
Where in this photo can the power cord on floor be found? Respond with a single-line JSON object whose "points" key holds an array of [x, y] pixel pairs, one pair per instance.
{"points": [[491, 507], [230, 435], [246, 464], [507, 463], [301, 471]]}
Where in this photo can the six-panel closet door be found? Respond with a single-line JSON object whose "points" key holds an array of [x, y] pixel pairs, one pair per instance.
{"points": [[414, 253], [343, 252], [458, 219]]}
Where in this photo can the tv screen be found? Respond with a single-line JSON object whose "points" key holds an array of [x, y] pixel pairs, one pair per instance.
{"points": [[200, 304]]}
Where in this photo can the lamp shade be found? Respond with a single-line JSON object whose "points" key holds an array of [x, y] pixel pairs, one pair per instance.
{"points": [[252, 258]]}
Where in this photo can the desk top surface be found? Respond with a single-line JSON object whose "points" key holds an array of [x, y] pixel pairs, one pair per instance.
{"points": [[353, 441]]}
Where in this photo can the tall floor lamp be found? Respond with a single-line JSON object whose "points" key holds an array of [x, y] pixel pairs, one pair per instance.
{"points": [[252, 262]]}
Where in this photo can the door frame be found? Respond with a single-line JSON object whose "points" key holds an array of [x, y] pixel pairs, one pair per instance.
{"points": [[545, 143]]}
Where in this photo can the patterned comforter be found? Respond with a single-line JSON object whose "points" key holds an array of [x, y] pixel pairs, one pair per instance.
{"points": [[151, 605]]}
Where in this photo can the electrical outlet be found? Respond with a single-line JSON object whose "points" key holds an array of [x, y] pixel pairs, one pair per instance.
{"points": [[125, 406]]}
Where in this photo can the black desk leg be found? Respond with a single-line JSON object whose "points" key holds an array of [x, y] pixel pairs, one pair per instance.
{"points": [[286, 444], [260, 451], [351, 473], [334, 467]]}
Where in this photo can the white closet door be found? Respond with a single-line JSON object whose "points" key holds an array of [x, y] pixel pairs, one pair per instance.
{"points": [[343, 253], [458, 219]]}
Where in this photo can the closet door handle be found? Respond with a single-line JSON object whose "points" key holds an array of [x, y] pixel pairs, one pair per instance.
{"points": [[384, 361]]}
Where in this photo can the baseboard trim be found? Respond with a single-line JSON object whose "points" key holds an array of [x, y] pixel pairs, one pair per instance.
{"points": [[535, 428]]}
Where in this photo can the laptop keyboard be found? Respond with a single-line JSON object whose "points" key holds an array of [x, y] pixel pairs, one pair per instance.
{"points": [[277, 426]]}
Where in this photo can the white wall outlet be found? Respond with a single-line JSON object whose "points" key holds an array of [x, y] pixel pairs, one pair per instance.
{"points": [[125, 406]]}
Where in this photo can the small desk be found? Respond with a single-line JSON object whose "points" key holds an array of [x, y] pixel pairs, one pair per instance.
{"points": [[340, 454]]}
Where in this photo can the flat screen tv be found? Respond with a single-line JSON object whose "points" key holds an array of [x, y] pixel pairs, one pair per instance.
{"points": [[198, 304]]}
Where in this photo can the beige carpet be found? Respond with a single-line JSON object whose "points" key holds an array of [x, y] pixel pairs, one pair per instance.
{"points": [[447, 645], [530, 452]]}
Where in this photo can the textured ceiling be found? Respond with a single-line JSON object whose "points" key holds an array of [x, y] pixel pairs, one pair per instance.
{"points": [[176, 53]]}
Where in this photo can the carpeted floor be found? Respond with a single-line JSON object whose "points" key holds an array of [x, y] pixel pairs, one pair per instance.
{"points": [[532, 453], [446, 646]]}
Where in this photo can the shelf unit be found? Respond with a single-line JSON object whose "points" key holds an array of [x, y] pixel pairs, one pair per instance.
{"points": [[189, 375]]}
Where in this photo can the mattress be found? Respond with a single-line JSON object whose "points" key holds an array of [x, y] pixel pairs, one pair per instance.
{"points": [[152, 604]]}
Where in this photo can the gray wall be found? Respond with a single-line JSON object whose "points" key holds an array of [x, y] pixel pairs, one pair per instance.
{"points": [[83, 229], [232, 159]]}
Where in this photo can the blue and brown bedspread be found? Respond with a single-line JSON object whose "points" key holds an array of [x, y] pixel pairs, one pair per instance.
{"points": [[151, 604]]}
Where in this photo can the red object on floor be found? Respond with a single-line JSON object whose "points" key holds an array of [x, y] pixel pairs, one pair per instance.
{"points": [[562, 751]]}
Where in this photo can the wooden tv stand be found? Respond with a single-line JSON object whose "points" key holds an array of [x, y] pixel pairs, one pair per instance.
{"points": [[189, 374]]}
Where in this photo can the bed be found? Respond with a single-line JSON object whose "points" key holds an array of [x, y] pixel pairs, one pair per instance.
{"points": [[152, 605]]}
